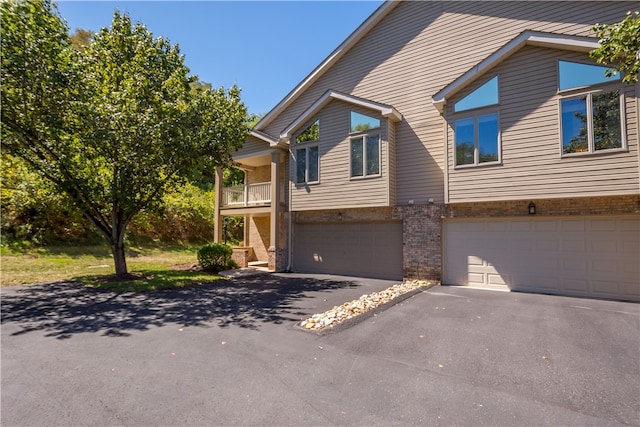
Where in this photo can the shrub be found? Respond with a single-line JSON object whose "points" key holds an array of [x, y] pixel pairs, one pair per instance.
{"points": [[216, 257]]}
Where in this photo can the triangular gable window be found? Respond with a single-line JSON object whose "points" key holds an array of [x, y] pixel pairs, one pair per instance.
{"points": [[361, 122], [312, 133], [485, 95], [573, 75]]}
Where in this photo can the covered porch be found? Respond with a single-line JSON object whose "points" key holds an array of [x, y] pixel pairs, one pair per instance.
{"points": [[261, 203]]}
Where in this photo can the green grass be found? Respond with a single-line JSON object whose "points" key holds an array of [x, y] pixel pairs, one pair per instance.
{"points": [[93, 266]]}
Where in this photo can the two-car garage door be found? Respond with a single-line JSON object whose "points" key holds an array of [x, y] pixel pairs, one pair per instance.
{"points": [[364, 249], [588, 256]]}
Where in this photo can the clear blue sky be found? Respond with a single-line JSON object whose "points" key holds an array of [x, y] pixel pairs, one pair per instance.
{"points": [[265, 47]]}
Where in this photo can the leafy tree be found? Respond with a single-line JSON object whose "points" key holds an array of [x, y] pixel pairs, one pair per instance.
{"points": [[114, 126], [81, 39], [620, 47]]}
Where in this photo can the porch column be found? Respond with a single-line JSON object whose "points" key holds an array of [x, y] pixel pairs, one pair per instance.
{"points": [[245, 230], [274, 228], [217, 225]]}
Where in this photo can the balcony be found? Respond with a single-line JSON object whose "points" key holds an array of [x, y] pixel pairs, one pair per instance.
{"points": [[247, 195]]}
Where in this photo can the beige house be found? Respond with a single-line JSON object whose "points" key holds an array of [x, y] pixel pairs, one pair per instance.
{"points": [[472, 143]]}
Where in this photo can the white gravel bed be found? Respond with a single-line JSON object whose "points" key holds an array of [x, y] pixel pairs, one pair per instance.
{"points": [[350, 309]]}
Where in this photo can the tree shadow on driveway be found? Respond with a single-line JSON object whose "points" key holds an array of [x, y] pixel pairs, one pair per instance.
{"points": [[64, 309]]}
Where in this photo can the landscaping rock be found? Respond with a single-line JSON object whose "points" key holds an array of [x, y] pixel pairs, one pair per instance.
{"points": [[365, 303]]}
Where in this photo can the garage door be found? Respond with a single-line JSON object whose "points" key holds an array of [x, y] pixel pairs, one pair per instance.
{"points": [[366, 249], [593, 256]]}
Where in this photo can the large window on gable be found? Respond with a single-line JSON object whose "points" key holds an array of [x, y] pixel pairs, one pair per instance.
{"points": [[591, 120], [364, 147], [573, 75], [365, 156], [306, 154], [477, 136], [485, 95]]}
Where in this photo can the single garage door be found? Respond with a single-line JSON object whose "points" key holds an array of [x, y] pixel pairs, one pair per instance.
{"points": [[363, 249], [588, 256]]}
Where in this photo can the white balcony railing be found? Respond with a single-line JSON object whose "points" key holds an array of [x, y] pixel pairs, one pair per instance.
{"points": [[247, 195]]}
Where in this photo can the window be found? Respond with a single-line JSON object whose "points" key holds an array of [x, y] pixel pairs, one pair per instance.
{"points": [[365, 156], [307, 165], [360, 122], [477, 140], [485, 95], [477, 137], [312, 133], [591, 122], [306, 156], [573, 75]]}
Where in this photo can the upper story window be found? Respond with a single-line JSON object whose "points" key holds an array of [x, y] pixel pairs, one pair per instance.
{"points": [[365, 156], [307, 155], [477, 136], [573, 75], [364, 148], [591, 121], [484, 96], [361, 123]]}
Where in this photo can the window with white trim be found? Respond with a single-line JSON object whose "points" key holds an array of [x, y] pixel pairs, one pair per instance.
{"points": [[306, 153], [365, 156], [477, 134], [590, 121], [364, 146]]}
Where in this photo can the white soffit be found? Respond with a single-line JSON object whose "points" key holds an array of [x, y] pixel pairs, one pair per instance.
{"points": [[527, 38], [386, 111]]}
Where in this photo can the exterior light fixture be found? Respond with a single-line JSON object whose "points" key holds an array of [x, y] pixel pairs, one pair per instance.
{"points": [[339, 216], [532, 208]]}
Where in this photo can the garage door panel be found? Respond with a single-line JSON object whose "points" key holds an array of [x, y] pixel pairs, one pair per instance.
{"points": [[359, 249], [592, 256]]}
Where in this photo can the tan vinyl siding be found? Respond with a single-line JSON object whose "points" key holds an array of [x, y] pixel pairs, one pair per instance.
{"points": [[532, 165], [252, 146], [336, 189], [421, 47]]}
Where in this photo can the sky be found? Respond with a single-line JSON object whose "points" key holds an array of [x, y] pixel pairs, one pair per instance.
{"points": [[265, 47]]}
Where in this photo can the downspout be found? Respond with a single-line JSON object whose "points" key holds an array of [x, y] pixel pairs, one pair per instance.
{"points": [[446, 160], [290, 222]]}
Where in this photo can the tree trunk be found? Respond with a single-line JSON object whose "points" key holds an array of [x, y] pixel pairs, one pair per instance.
{"points": [[117, 249]]}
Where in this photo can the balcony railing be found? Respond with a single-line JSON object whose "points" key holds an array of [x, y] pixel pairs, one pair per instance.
{"points": [[247, 195]]}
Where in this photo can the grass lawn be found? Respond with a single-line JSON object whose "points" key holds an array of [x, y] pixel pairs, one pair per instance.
{"points": [[92, 265]]}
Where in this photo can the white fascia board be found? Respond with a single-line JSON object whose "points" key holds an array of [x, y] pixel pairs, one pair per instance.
{"points": [[273, 142], [385, 110], [325, 65], [531, 38]]}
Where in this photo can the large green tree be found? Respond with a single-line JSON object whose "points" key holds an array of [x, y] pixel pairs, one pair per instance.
{"points": [[113, 126], [620, 47]]}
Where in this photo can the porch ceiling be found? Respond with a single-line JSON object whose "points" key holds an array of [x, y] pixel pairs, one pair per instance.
{"points": [[255, 161]]}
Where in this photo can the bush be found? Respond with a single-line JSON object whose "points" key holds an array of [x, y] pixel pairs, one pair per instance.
{"points": [[216, 257]]}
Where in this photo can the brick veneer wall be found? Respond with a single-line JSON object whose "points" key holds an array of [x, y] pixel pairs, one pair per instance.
{"points": [[259, 236]]}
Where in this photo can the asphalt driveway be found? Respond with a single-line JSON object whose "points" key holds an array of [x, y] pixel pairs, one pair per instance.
{"points": [[229, 354]]}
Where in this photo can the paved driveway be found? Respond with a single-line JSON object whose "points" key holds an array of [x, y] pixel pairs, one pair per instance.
{"points": [[230, 355]]}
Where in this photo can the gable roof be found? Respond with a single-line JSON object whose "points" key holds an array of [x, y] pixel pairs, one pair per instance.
{"points": [[384, 110], [526, 38], [333, 57], [273, 142]]}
